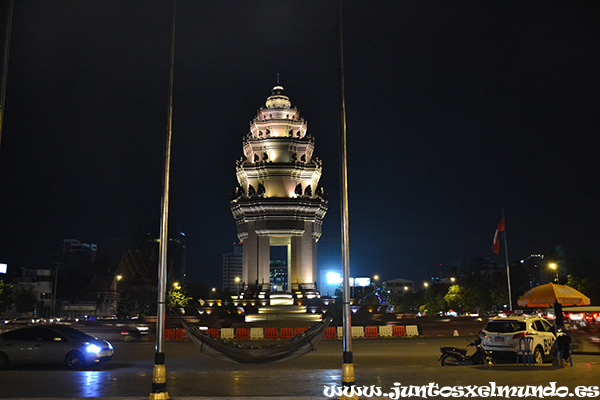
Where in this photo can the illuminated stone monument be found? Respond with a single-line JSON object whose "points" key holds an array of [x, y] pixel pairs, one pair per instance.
{"points": [[278, 201]]}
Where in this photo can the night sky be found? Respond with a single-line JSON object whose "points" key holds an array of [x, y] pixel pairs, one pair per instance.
{"points": [[455, 110]]}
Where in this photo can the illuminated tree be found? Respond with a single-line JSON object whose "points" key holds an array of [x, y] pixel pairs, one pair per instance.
{"points": [[455, 298], [177, 298]]}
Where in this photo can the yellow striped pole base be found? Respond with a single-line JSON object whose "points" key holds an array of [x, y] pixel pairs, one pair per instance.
{"points": [[348, 375], [159, 379]]}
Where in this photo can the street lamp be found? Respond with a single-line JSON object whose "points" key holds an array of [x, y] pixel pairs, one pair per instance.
{"points": [[554, 267], [117, 279], [237, 285], [453, 279], [426, 284]]}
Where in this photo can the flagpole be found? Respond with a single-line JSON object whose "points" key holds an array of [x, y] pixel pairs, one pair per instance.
{"points": [[507, 264], [159, 373], [347, 357]]}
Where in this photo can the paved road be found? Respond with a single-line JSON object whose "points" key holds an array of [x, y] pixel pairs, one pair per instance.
{"points": [[410, 361]]}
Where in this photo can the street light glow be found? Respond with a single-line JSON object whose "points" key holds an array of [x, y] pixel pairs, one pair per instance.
{"points": [[333, 278]]}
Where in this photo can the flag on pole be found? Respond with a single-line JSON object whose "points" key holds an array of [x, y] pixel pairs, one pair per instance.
{"points": [[497, 235]]}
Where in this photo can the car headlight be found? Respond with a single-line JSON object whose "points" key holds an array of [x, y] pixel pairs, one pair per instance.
{"points": [[92, 348]]}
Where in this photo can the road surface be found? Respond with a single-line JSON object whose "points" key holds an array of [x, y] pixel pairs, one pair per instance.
{"points": [[381, 362]]}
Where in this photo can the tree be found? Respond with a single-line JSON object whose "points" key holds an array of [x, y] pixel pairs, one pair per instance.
{"points": [[25, 298], [587, 286], [455, 298], [434, 299], [6, 296], [407, 302], [177, 298]]}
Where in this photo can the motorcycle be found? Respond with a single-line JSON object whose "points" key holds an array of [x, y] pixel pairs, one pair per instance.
{"points": [[457, 356]]}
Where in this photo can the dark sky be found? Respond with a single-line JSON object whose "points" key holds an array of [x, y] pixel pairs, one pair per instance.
{"points": [[455, 110]]}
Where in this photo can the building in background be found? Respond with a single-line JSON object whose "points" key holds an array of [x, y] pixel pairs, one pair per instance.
{"points": [[40, 283], [233, 267], [398, 286], [279, 275]]}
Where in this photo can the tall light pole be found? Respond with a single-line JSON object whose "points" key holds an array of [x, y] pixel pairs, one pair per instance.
{"points": [[5, 64], [237, 286], [159, 373], [554, 267], [54, 292], [375, 279], [117, 279]]}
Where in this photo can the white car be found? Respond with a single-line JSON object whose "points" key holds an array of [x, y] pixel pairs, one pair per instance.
{"points": [[52, 344], [500, 337]]}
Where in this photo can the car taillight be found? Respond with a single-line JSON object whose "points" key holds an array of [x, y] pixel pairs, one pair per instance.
{"points": [[520, 334]]}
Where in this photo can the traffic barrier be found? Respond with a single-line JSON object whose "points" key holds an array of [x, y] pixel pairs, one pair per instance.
{"points": [[214, 332], [412, 330], [242, 333], [179, 334], [257, 333], [270, 333], [330, 333], [287, 333], [298, 331], [227, 333], [371, 332], [399, 330], [170, 334], [358, 331], [385, 331]]}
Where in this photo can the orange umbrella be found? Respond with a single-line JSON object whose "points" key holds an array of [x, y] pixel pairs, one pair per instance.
{"points": [[546, 295]]}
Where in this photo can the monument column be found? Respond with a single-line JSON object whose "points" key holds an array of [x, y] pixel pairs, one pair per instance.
{"points": [[264, 261], [250, 251]]}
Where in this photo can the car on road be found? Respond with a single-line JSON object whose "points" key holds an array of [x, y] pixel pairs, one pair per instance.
{"points": [[22, 321], [52, 344], [500, 337]]}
